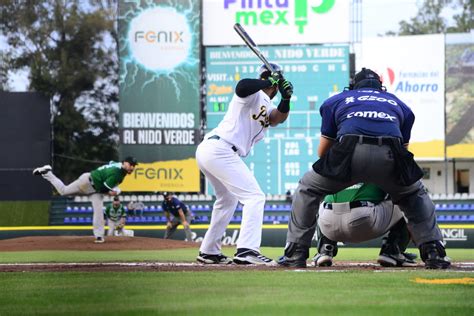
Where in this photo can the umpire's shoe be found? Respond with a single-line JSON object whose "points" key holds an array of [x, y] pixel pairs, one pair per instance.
{"points": [[434, 255], [295, 256], [42, 170]]}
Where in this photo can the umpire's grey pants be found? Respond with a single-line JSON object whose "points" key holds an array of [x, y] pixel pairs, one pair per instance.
{"points": [[370, 164], [175, 221], [82, 185]]}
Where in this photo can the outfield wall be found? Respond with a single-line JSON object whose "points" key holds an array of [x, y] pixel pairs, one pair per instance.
{"points": [[455, 235]]}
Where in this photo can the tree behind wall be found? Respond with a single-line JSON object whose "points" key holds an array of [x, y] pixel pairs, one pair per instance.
{"points": [[68, 48], [429, 19]]}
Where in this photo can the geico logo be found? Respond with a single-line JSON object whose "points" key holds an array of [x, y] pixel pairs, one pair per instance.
{"points": [[371, 114], [375, 98], [159, 37], [161, 173]]}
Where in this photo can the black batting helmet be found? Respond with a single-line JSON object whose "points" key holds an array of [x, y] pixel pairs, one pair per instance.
{"points": [[264, 72]]}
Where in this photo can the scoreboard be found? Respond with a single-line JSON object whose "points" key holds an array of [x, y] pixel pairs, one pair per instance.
{"points": [[289, 149]]}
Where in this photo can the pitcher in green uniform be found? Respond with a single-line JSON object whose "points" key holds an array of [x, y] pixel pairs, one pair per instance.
{"points": [[103, 180]]}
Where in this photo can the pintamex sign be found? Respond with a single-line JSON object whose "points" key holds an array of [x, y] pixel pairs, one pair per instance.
{"points": [[277, 21]]}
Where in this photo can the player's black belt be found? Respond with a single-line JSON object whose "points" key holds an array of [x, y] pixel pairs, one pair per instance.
{"points": [[380, 140], [218, 137], [352, 204]]}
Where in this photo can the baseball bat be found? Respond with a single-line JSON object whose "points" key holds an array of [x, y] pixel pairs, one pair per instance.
{"points": [[251, 44]]}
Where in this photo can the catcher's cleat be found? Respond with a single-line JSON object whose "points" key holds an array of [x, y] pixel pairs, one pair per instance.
{"points": [[324, 257], [213, 259], [42, 170], [249, 256], [99, 240], [409, 255], [295, 256], [434, 255], [390, 256], [395, 260]]}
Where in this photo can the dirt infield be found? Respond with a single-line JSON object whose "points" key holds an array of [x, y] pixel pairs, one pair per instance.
{"points": [[87, 243], [143, 243]]}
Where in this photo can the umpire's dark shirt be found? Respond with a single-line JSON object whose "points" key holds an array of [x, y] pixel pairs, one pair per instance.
{"points": [[173, 206], [366, 112]]}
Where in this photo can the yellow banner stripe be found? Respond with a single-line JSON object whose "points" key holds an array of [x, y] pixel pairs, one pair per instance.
{"points": [[163, 227]]}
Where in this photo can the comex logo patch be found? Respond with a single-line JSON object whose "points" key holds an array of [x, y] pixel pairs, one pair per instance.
{"points": [[160, 39], [372, 114]]}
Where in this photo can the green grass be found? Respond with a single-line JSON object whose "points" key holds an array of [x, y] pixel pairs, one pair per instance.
{"points": [[188, 255], [24, 213], [233, 293], [241, 292]]}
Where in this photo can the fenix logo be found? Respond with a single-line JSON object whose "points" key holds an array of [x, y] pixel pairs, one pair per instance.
{"points": [[159, 36], [159, 174], [372, 114]]}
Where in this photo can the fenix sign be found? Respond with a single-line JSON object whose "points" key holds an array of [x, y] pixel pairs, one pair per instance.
{"points": [[276, 21]]}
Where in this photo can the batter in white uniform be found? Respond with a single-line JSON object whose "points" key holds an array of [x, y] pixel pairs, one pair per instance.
{"points": [[249, 115]]}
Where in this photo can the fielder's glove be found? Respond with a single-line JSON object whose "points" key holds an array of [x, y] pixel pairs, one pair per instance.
{"points": [[275, 78], [286, 88], [120, 226]]}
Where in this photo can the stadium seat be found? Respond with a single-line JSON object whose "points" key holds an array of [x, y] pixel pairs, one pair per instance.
{"points": [[73, 220], [126, 198], [67, 220], [208, 198], [68, 209], [154, 198], [88, 220], [146, 198]]}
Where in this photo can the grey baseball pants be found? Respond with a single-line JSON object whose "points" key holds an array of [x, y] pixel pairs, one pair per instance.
{"points": [[175, 221], [370, 164], [82, 185], [341, 223]]}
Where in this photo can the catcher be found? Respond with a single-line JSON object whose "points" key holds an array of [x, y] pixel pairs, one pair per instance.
{"points": [[115, 215]]}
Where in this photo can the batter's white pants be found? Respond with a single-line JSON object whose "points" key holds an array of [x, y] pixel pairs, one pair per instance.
{"points": [[232, 182], [82, 185]]}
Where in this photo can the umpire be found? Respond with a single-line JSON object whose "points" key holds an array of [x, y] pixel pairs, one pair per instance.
{"points": [[364, 138]]}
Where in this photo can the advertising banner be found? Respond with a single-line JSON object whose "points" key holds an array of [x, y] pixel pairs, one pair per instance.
{"points": [[288, 150], [276, 21], [159, 93], [460, 95], [412, 67]]}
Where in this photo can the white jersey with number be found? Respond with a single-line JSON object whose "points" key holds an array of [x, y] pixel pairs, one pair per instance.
{"points": [[246, 121]]}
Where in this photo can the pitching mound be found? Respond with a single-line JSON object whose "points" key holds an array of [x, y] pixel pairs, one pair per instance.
{"points": [[87, 243]]}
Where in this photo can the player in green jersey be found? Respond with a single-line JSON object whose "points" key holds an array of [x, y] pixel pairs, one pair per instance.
{"points": [[103, 180], [360, 213], [116, 215]]}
